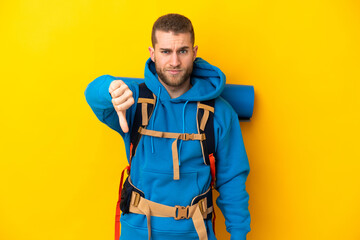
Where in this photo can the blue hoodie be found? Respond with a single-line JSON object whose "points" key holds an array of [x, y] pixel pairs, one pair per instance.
{"points": [[152, 170]]}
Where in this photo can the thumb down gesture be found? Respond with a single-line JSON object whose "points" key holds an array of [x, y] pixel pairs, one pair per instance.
{"points": [[122, 99]]}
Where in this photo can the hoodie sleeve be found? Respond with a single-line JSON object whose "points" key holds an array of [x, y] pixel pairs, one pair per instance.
{"points": [[232, 169], [98, 97]]}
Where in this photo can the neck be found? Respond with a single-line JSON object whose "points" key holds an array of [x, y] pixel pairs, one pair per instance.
{"points": [[177, 91]]}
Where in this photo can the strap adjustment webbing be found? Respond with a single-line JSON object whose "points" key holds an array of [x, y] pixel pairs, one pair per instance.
{"points": [[196, 212], [181, 136], [205, 117], [144, 109]]}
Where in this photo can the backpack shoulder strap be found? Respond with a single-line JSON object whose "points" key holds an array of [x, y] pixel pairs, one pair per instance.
{"points": [[145, 106], [205, 122]]}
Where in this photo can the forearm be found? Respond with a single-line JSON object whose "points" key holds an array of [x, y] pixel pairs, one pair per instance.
{"points": [[97, 93], [98, 97]]}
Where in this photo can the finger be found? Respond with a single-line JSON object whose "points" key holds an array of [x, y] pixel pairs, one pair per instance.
{"points": [[123, 122], [121, 99], [119, 91], [115, 85], [124, 106]]}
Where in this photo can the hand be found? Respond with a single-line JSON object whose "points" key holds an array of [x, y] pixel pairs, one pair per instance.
{"points": [[122, 99]]}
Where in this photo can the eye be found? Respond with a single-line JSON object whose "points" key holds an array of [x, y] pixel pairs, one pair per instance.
{"points": [[183, 51], [165, 51]]}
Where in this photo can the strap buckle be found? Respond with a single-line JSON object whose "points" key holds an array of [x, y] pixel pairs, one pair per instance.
{"points": [[192, 136], [181, 212], [135, 199], [202, 206], [186, 136]]}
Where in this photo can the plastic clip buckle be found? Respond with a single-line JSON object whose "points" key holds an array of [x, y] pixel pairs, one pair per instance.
{"points": [[181, 212]]}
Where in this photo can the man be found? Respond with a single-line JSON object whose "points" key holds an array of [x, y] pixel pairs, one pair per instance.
{"points": [[168, 169]]}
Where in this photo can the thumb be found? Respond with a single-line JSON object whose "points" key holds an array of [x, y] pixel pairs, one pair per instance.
{"points": [[122, 120]]}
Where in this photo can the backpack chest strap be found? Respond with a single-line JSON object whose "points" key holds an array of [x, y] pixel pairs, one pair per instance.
{"points": [[181, 136], [174, 149]]}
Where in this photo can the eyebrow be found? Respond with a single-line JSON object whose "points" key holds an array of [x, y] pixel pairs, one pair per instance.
{"points": [[168, 49]]}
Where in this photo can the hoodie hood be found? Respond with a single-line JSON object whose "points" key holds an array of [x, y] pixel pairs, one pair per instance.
{"points": [[207, 82]]}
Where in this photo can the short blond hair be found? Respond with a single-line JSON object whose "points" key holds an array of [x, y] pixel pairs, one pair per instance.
{"points": [[175, 23]]}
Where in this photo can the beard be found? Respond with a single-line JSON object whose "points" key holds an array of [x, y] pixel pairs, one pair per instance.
{"points": [[173, 80]]}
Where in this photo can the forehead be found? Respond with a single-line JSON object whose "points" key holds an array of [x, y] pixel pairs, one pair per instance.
{"points": [[171, 39]]}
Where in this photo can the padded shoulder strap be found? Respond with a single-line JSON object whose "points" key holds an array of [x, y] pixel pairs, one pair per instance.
{"points": [[205, 121], [145, 106], [205, 118]]}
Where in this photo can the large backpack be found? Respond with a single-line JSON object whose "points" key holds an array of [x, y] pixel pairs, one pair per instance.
{"points": [[144, 109]]}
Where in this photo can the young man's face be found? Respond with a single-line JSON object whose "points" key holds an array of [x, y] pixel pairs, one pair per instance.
{"points": [[173, 55]]}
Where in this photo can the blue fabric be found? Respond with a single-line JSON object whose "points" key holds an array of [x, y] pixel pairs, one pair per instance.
{"points": [[152, 171], [241, 98]]}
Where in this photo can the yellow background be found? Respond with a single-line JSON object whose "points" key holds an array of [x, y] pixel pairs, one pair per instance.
{"points": [[60, 166]]}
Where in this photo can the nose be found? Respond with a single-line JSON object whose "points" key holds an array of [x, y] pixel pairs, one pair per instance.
{"points": [[175, 61]]}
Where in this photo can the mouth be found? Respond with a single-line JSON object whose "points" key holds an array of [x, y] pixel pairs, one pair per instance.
{"points": [[174, 71]]}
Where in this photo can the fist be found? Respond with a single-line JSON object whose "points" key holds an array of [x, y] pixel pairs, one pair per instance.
{"points": [[122, 99]]}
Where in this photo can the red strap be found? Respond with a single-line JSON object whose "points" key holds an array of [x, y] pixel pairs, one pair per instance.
{"points": [[131, 148], [212, 169], [213, 178], [117, 216]]}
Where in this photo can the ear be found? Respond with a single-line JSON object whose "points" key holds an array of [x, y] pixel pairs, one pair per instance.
{"points": [[195, 52], [152, 54]]}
